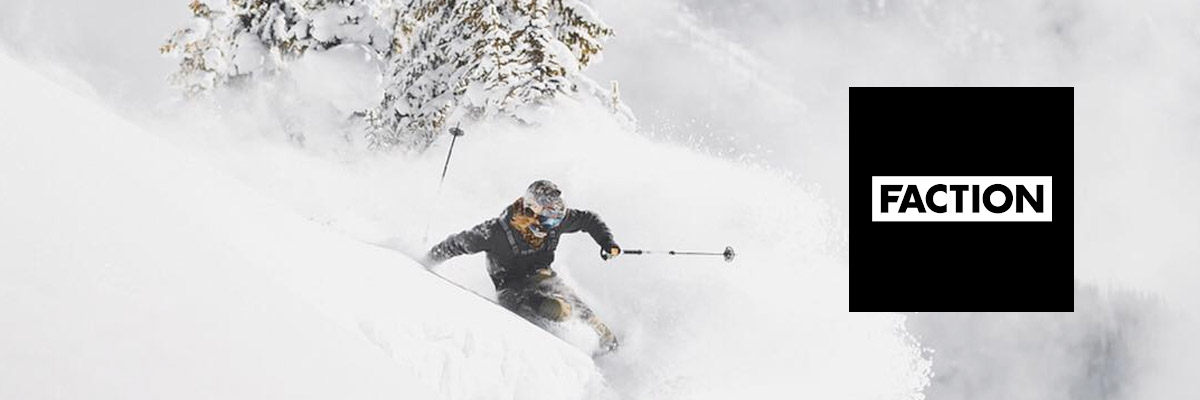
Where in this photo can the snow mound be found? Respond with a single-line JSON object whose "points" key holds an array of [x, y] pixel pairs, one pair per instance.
{"points": [[129, 269]]}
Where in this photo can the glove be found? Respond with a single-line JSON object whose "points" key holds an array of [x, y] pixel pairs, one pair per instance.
{"points": [[611, 253]]}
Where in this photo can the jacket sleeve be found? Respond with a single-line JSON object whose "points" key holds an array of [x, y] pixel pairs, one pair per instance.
{"points": [[470, 241], [587, 221]]}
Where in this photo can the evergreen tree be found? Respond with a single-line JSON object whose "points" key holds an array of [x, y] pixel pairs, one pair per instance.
{"points": [[476, 59], [446, 61], [232, 40]]}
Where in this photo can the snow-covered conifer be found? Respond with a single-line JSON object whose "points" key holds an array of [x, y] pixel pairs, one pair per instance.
{"points": [[446, 61], [468, 60], [231, 40]]}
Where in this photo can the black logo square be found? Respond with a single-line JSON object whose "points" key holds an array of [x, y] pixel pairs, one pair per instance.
{"points": [[962, 135]]}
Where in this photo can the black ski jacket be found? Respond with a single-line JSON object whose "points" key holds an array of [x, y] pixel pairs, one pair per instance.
{"points": [[510, 260]]}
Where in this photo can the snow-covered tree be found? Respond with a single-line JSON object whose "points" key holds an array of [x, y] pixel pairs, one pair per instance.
{"points": [[447, 61], [231, 40], [468, 60]]}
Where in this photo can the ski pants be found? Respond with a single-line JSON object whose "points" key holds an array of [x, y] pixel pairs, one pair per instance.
{"points": [[544, 299]]}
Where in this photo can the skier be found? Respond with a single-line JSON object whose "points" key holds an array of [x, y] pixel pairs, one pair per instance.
{"points": [[520, 246]]}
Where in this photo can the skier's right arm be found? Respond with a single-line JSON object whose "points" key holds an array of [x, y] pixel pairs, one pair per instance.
{"points": [[470, 241]]}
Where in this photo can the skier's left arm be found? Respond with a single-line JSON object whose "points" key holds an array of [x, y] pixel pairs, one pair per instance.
{"points": [[587, 221]]}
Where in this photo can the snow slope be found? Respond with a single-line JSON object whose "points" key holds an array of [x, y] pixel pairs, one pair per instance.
{"points": [[131, 270]]}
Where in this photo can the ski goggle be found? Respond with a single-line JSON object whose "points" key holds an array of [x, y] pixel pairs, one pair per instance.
{"points": [[549, 213], [549, 221]]}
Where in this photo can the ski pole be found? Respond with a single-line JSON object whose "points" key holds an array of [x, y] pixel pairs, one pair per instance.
{"points": [[728, 253], [454, 134]]}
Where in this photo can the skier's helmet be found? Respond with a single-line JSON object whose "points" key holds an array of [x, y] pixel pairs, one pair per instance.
{"points": [[545, 200]]}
